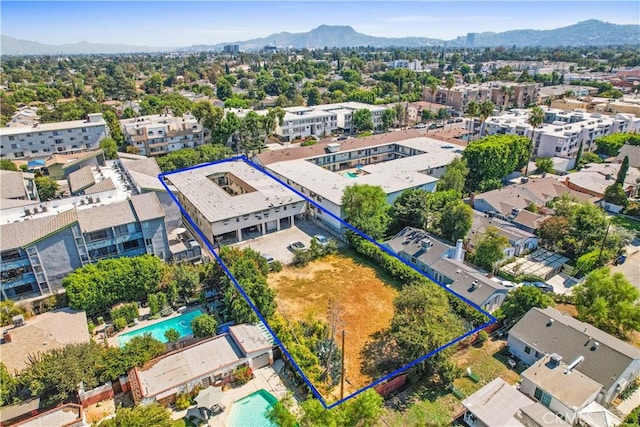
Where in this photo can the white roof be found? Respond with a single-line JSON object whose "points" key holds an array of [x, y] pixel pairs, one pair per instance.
{"points": [[216, 204], [44, 127], [331, 185], [496, 403]]}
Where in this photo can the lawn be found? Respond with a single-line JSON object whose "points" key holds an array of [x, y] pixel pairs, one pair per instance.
{"points": [[362, 292], [630, 224]]}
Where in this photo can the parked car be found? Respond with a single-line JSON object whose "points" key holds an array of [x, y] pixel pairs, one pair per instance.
{"points": [[620, 260], [321, 240], [420, 126], [458, 120], [297, 246], [508, 284], [544, 287], [269, 259], [432, 126]]}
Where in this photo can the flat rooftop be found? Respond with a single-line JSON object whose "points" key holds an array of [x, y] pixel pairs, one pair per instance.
{"points": [[45, 127], [331, 185], [43, 333], [215, 204], [572, 388]]}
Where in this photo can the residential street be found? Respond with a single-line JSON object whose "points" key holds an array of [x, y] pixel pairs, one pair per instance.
{"points": [[631, 267]]}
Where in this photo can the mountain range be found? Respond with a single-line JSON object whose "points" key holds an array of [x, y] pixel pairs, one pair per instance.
{"points": [[586, 33]]}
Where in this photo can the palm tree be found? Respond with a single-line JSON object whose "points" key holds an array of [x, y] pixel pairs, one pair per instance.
{"points": [[433, 90], [473, 111], [486, 110], [450, 82], [536, 117], [507, 93]]}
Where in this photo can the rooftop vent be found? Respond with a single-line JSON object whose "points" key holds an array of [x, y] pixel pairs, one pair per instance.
{"points": [[555, 359], [550, 322], [426, 244], [18, 321], [333, 147], [595, 346], [573, 364]]}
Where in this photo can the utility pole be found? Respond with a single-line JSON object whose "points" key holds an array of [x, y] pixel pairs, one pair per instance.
{"points": [[603, 242], [342, 368]]}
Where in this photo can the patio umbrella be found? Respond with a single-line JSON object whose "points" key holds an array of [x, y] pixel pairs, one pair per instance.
{"points": [[359, 166], [31, 164], [209, 397]]}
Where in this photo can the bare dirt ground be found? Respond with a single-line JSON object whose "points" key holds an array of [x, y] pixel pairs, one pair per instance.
{"points": [[365, 301]]}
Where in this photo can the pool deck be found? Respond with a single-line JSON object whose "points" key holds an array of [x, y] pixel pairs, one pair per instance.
{"points": [[113, 341], [264, 378]]}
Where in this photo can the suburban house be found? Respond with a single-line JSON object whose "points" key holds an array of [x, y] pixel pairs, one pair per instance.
{"points": [[66, 415], [562, 388], [43, 243], [59, 166], [40, 334], [208, 362], [43, 140], [163, 133], [604, 359], [509, 203], [633, 152], [445, 264], [233, 201], [500, 404], [520, 241], [594, 178]]}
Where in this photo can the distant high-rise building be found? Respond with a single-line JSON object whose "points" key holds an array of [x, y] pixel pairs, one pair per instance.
{"points": [[471, 39], [231, 48]]}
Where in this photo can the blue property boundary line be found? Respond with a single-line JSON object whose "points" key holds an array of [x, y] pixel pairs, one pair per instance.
{"points": [[313, 389]]}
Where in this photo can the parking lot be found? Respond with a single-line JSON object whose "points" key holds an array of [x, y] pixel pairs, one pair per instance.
{"points": [[277, 244]]}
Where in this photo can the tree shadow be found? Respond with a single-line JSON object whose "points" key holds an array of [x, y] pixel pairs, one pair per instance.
{"points": [[380, 355]]}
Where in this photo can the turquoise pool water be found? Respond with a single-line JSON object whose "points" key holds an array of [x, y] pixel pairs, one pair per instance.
{"points": [[180, 323], [350, 175], [250, 411]]}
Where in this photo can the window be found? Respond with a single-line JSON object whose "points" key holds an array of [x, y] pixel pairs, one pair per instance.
{"points": [[12, 138], [18, 154], [527, 349], [15, 146]]}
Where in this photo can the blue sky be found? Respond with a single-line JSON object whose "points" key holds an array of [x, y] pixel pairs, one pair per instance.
{"points": [[172, 23]]}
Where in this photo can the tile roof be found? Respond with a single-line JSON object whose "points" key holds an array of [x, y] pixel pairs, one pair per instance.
{"points": [[147, 206], [99, 217], [18, 234], [12, 185], [81, 179], [101, 186], [571, 338]]}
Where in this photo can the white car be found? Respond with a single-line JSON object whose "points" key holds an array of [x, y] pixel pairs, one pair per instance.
{"points": [[322, 240]]}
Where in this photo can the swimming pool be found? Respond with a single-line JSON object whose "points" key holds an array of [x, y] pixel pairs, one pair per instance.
{"points": [[250, 411], [350, 175], [181, 323]]}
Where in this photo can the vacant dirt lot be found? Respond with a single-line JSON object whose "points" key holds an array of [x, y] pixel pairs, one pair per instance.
{"points": [[364, 298]]}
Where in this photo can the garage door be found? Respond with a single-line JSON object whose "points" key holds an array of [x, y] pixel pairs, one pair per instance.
{"points": [[260, 361]]}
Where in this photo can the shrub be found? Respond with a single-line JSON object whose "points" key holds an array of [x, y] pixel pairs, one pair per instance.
{"points": [[183, 401], [119, 323], [483, 336], [308, 142], [276, 266], [126, 311], [91, 326], [242, 374]]}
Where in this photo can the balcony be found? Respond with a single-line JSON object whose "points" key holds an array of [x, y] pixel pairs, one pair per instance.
{"points": [[113, 240], [25, 279], [14, 263]]}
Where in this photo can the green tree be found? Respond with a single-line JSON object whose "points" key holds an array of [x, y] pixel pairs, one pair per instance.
{"points": [[622, 173], [7, 165], [490, 248], [363, 120], [519, 301], [172, 335], [154, 84], [47, 187], [140, 416], [410, 209], [8, 385], [314, 97], [8, 309], [579, 155], [610, 145], [456, 221], [204, 326], [224, 89], [473, 111], [365, 207], [486, 110], [615, 194], [544, 165], [609, 302], [455, 176], [110, 148], [388, 117]]}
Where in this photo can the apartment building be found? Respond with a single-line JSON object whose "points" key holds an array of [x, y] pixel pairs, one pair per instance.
{"points": [[163, 133], [323, 120], [503, 94], [233, 201], [44, 140], [47, 242], [562, 131]]}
